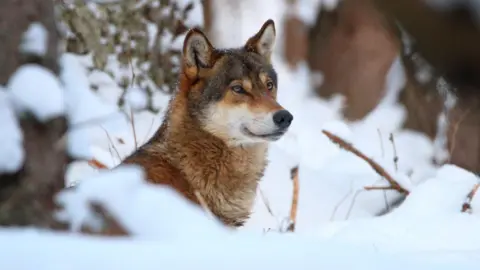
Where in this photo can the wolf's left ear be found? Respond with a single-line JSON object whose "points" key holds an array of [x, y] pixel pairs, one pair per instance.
{"points": [[197, 50], [263, 41]]}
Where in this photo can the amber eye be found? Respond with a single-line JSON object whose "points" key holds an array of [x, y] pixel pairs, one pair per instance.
{"points": [[269, 86], [238, 89]]}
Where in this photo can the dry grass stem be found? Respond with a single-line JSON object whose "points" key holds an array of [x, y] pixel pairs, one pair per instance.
{"points": [[266, 202], [395, 156], [132, 122]]}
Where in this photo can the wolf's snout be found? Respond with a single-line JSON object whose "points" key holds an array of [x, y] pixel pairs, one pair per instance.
{"points": [[282, 119]]}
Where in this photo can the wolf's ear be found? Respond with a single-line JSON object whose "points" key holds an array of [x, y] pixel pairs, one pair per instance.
{"points": [[197, 50], [263, 41]]}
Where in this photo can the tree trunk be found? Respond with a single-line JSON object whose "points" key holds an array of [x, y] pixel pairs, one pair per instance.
{"points": [[353, 47], [26, 197], [449, 41]]}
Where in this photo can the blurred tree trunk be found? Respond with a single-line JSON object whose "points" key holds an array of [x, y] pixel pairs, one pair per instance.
{"points": [[207, 16], [449, 40], [26, 197], [353, 47], [295, 41]]}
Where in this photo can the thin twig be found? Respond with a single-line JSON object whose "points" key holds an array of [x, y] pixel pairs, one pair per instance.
{"points": [[132, 122], [94, 121], [111, 142], [352, 203], [377, 168], [335, 209], [148, 132], [378, 188], [385, 199], [294, 206], [381, 142], [467, 206], [265, 202], [395, 156]]}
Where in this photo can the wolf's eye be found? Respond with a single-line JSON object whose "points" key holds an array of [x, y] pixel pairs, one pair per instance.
{"points": [[238, 89], [269, 86]]}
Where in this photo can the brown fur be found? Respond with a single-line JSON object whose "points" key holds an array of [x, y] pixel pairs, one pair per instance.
{"points": [[187, 155]]}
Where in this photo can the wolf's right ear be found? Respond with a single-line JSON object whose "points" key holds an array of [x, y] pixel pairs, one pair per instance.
{"points": [[197, 50], [263, 41]]}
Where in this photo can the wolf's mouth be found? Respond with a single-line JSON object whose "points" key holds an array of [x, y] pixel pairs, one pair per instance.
{"points": [[269, 136]]}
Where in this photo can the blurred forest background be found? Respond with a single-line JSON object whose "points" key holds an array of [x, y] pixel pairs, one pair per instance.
{"points": [[352, 44]]}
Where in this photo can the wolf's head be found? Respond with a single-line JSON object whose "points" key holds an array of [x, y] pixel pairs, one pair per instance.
{"points": [[232, 92]]}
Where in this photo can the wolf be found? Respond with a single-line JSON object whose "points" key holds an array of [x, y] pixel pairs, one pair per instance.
{"points": [[213, 141]]}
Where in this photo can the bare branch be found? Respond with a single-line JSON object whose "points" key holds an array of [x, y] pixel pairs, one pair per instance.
{"points": [[294, 206], [467, 206], [350, 148]]}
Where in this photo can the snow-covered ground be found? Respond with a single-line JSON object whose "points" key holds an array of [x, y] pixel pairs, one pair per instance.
{"points": [[337, 226]]}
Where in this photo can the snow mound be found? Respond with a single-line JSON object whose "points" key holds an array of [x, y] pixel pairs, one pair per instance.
{"points": [[12, 154], [145, 210], [36, 90]]}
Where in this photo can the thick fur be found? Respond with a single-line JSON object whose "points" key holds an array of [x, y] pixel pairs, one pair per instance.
{"points": [[213, 139]]}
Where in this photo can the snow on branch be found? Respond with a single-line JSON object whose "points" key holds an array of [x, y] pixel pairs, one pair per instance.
{"points": [[35, 40], [35, 89], [12, 154]]}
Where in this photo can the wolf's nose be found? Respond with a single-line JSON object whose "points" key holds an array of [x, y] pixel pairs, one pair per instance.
{"points": [[282, 119]]}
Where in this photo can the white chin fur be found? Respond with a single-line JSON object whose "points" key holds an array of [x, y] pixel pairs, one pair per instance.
{"points": [[230, 123]]}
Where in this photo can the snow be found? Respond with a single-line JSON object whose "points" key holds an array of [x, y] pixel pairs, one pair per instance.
{"points": [[136, 98], [307, 10], [35, 40], [132, 201], [442, 153], [339, 224], [273, 252], [82, 105], [12, 154], [35, 89], [195, 15]]}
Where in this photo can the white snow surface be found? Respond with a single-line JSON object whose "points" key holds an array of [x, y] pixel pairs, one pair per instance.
{"points": [[12, 154], [132, 201], [35, 40], [337, 226], [84, 108], [35, 89]]}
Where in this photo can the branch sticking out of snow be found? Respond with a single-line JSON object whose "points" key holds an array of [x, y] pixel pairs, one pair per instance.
{"points": [[441, 194], [37, 90], [467, 206], [294, 206], [11, 151], [35, 40], [382, 172]]}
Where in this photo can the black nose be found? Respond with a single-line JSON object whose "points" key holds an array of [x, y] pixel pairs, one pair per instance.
{"points": [[283, 118]]}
